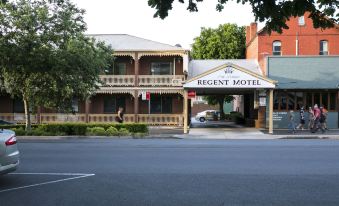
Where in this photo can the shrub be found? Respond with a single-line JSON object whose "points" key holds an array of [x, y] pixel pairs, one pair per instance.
{"points": [[78, 128], [112, 131], [123, 132], [100, 131], [19, 131]]}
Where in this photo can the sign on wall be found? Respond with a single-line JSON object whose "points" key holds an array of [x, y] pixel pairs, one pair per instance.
{"points": [[229, 77]]}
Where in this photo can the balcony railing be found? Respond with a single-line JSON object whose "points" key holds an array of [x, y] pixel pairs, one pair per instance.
{"points": [[161, 119], [109, 118], [151, 119], [60, 117], [118, 80], [161, 80], [16, 117]]}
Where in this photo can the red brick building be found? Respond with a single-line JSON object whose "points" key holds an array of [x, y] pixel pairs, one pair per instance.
{"points": [[300, 39]]}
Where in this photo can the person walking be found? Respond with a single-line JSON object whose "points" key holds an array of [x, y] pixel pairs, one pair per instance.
{"points": [[310, 118], [317, 114], [322, 120], [291, 124], [302, 119], [120, 117], [326, 114]]}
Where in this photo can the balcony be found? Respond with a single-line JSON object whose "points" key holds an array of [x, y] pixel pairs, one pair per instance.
{"points": [[161, 80], [117, 80]]}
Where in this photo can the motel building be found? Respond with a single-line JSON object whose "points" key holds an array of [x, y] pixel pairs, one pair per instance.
{"points": [[152, 81]]}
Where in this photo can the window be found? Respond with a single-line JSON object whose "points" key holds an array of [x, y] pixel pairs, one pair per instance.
{"points": [[161, 104], [301, 20], [333, 102], [161, 68], [291, 100], [112, 104], [75, 105], [118, 68], [276, 48], [18, 106], [300, 100], [323, 47], [285, 101]]}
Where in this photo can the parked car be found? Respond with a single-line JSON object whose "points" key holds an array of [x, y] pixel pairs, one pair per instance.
{"points": [[208, 115], [9, 153]]}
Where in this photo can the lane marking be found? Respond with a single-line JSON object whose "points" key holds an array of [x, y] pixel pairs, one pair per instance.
{"points": [[78, 176]]}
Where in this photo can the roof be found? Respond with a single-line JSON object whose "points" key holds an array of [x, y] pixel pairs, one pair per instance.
{"points": [[125, 42], [197, 67], [304, 72]]}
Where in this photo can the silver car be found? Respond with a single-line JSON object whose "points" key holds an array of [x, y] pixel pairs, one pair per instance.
{"points": [[9, 153]]}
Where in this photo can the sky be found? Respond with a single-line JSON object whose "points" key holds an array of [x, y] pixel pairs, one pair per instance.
{"points": [[135, 17]]}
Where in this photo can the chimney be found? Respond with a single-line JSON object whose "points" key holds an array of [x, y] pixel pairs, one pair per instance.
{"points": [[251, 32]]}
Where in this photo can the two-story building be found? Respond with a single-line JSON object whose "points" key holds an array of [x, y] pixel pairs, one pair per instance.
{"points": [[141, 66], [304, 61]]}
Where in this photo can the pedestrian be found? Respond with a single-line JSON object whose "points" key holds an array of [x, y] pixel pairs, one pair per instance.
{"points": [[291, 124], [326, 114], [310, 118], [317, 114], [120, 117], [322, 119], [302, 119]]}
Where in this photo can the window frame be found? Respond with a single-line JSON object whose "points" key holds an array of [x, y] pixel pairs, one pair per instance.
{"points": [[321, 46], [274, 52], [161, 62]]}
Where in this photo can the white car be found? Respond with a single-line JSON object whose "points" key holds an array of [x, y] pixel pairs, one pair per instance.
{"points": [[9, 153], [208, 115]]}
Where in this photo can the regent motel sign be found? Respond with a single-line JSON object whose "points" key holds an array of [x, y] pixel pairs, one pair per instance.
{"points": [[229, 76]]}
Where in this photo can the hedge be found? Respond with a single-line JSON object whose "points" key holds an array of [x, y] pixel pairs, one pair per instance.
{"points": [[75, 128]]}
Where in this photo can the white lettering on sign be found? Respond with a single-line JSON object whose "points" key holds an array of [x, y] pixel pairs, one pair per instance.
{"points": [[229, 77]]}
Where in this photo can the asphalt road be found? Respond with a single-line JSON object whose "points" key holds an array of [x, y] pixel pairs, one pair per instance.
{"points": [[174, 172]]}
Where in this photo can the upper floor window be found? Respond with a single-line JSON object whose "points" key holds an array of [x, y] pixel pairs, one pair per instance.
{"points": [[161, 68], [276, 48], [323, 47], [301, 20], [117, 68]]}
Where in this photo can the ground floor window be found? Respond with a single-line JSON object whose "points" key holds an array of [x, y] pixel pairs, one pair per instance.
{"points": [[161, 104], [18, 106], [293, 100], [112, 103]]}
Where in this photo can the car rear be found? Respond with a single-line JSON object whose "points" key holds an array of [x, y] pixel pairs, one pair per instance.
{"points": [[9, 153]]}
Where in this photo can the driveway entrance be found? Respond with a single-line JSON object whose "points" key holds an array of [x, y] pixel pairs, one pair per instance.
{"points": [[231, 77]]}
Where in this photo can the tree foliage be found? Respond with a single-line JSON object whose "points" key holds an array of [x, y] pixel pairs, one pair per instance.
{"points": [[45, 59], [324, 13], [228, 41]]}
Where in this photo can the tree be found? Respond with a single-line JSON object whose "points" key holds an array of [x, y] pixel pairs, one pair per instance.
{"points": [[324, 13], [45, 59], [228, 41]]}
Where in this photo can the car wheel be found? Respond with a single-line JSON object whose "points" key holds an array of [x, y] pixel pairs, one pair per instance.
{"points": [[202, 119]]}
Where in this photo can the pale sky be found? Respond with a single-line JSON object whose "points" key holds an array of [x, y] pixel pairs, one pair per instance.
{"points": [[135, 17]]}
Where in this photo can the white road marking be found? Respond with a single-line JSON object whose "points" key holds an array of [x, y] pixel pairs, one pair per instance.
{"points": [[78, 176]]}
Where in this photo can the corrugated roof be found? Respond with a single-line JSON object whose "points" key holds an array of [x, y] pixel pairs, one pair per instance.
{"points": [[125, 42], [304, 72], [197, 67]]}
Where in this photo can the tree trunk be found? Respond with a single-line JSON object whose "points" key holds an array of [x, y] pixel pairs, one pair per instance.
{"points": [[27, 114], [221, 108]]}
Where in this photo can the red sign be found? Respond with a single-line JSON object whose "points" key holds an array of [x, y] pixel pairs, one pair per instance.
{"points": [[191, 94], [148, 96]]}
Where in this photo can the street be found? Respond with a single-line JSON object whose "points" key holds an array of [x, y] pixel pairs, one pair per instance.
{"points": [[162, 172]]}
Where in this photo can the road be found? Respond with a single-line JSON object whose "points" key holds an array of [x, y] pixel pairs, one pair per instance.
{"points": [[174, 172]]}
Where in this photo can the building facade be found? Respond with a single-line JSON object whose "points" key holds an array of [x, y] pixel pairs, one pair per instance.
{"points": [[300, 39], [140, 66]]}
